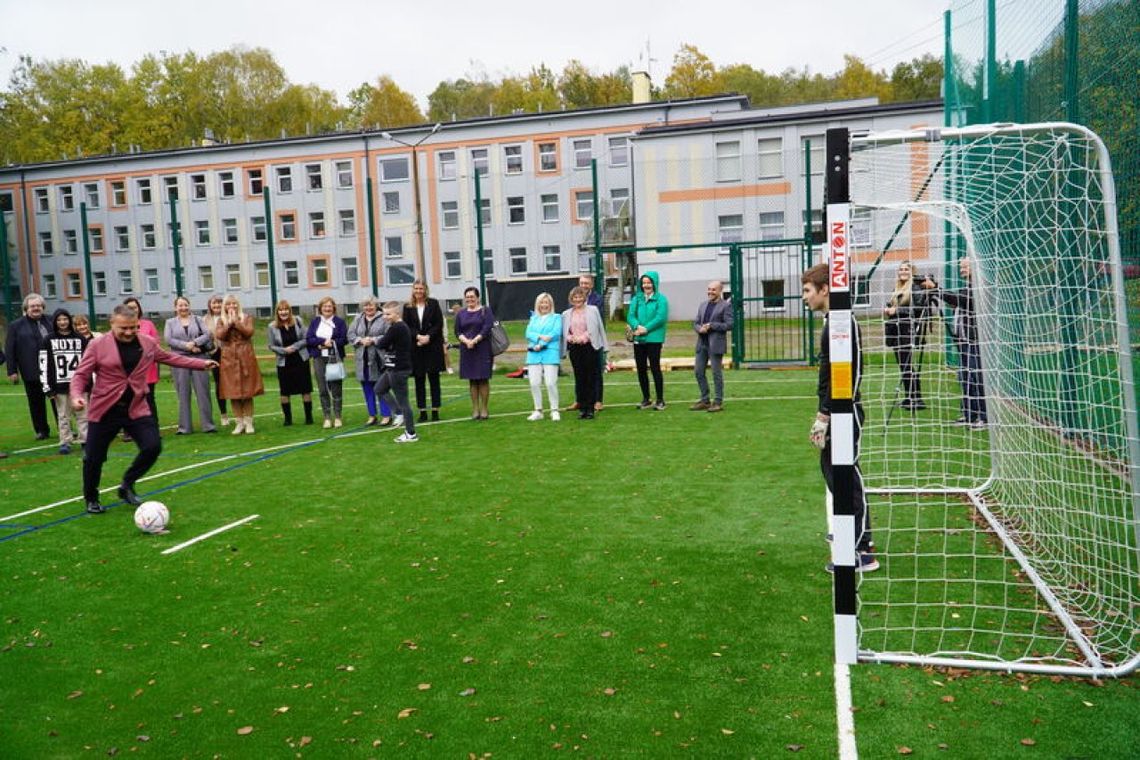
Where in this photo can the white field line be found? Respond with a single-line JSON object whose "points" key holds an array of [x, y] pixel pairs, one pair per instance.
{"points": [[208, 534], [844, 717]]}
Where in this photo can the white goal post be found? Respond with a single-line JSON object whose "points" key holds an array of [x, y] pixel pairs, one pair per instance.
{"points": [[1000, 448]]}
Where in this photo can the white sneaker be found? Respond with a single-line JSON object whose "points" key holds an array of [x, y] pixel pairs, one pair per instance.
{"points": [[338, 423], [555, 415], [239, 426], [328, 423], [398, 421], [535, 415], [406, 438]]}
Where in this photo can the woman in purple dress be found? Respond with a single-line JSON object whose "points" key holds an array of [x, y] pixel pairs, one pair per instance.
{"points": [[473, 328]]}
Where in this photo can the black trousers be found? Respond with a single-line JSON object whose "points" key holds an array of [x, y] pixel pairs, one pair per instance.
{"points": [[911, 380], [647, 357], [584, 360], [421, 392], [37, 406], [863, 541], [144, 433], [392, 383]]}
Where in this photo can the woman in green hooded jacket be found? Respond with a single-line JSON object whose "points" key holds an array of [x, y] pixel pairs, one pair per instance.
{"points": [[648, 315]]}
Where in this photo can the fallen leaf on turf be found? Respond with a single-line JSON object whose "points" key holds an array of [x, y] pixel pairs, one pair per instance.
{"points": [[948, 698], [793, 747], [245, 730], [609, 691], [727, 731], [606, 634], [905, 751], [424, 686], [468, 692], [306, 740], [75, 694], [143, 738], [1028, 742], [405, 712], [1086, 704], [282, 709]]}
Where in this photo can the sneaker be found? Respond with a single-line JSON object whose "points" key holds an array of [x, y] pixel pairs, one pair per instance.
{"points": [[338, 422], [716, 406], [328, 423], [978, 425], [700, 406], [659, 406], [127, 494], [645, 404], [65, 449], [961, 421], [398, 420], [406, 438], [95, 508], [534, 416], [554, 415], [864, 563]]}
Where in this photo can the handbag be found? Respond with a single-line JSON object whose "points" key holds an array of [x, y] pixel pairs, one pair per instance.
{"points": [[334, 368], [500, 341]]}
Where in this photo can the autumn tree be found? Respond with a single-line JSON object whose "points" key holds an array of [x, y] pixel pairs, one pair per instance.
{"points": [[382, 106], [693, 75]]}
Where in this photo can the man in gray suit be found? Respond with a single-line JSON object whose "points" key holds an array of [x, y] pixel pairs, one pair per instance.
{"points": [[714, 320]]}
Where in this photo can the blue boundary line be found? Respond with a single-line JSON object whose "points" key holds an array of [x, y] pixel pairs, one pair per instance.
{"points": [[179, 484]]}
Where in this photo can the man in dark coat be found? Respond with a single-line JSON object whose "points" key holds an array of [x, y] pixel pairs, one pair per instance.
{"points": [[22, 347]]}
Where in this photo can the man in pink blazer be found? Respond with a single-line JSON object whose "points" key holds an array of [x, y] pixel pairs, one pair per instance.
{"points": [[120, 362]]}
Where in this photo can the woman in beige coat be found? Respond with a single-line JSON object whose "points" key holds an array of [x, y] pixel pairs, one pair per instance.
{"points": [[239, 378]]}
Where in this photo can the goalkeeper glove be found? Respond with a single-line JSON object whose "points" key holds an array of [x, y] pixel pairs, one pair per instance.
{"points": [[819, 433]]}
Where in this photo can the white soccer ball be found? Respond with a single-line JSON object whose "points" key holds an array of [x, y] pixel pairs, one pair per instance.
{"points": [[152, 517]]}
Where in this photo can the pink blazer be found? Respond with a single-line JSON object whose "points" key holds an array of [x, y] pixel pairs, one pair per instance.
{"points": [[146, 327], [102, 358]]}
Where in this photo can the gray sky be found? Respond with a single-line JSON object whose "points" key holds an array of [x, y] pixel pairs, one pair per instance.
{"points": [[338, 44]]}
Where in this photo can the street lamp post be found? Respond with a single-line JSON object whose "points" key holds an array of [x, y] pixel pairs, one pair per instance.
{"points": [[421, 263]]}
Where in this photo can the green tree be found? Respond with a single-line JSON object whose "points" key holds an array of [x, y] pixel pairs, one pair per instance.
{"points": [[858, 80], [919, 79], [762, 89], [693, 75], [383, 106]]}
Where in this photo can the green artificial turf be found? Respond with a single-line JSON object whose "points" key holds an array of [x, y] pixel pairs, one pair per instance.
{"points": [[644, 584]]}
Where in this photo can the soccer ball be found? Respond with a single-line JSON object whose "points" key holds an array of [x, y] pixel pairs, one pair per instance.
{"points": [[152, 517]]}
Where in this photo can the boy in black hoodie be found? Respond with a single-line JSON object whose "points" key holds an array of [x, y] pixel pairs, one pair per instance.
{"points": [[396, 347], [59, 356]]}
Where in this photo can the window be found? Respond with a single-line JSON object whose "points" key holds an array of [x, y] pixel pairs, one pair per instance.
{"points": [[226, 184], [291, 274], [391, 202], [513, 156], [619, 198], [728, 161], [170, 185], [450, 213], [126, 282], [147, 236], [548, 157], [518, 260], [233, 276], [394, 247], [201, 232], [91, 194], [730, 228], [99, 283], [585, 261], [47, 247], [817, 148], [552, 258], [122, 238], [343, 174], [257, 228], [70, 241], [488, 263], [403, 274], [150, 277], [619, 151], [816, 220], [484, 215], [71, 285], [229, 231], [171, 231], [480, 161], [583, 153], [49, 286], [198, 187], [349, 270], [446, 164], [772, 225], [255, 179], [773, 295], [516, 210], [288, 222], [95, 235], [584, 204], [261, 274], [41, 194], [319, 272], [5, 202], [549, 207], [394, 170], [66, 198], [313, 177], [206, 279], [452, 267], [118, 192], [316, 224], [142, 186], [284, 178], [346, 221], [770, 155]]}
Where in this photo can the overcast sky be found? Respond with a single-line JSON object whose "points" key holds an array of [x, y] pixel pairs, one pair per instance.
{"points": [[338, 44]]}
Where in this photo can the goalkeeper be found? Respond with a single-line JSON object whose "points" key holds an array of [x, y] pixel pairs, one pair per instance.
{"points": [[815, 295]]}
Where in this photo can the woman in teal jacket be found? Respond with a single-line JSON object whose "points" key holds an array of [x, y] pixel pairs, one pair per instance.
{"points": [[543, 343], [648, 315]]}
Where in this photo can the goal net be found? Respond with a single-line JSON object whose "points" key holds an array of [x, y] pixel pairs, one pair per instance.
{"points": [[1000, 457]]}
